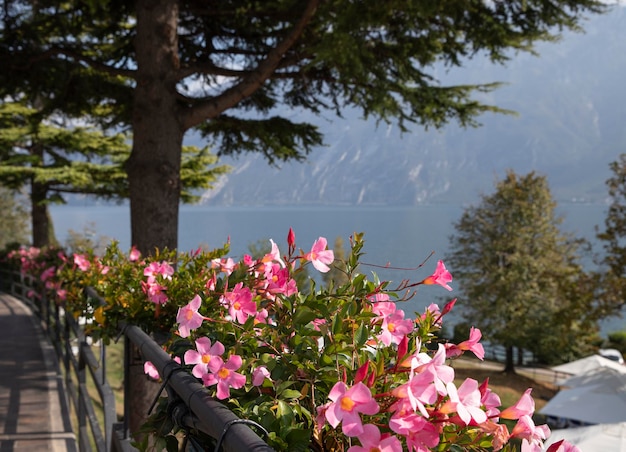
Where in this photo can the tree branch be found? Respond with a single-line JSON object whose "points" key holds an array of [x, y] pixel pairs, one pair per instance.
{"points": [[252, 82], [56, 51]]}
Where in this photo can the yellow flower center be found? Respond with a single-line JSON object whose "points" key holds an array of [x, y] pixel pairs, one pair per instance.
{"points": [[223, 373], [237, 305], [206, 359], [391, 327], [189, 314], [347, 404]]}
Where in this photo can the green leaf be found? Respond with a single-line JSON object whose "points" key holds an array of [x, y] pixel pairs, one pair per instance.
{"points": [[303, 316]]}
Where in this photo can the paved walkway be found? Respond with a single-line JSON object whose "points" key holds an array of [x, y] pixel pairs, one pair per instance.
{"points": [[34, 413]]}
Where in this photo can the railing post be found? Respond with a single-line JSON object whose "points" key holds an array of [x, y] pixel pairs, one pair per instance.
{"points": [[127, 352], [82, 381]]}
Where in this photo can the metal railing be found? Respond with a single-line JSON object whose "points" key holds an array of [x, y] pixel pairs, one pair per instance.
{"points": [[208, 424]]}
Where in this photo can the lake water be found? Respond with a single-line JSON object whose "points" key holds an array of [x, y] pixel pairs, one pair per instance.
{"points": [[398, 236]]}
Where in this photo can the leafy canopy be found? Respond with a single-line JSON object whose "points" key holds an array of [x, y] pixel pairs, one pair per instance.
{"points": [[250, 57], [521, 273]]}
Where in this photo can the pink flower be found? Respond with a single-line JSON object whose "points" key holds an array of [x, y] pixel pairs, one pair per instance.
{"points": [[562, 446], [226, 265], [188, 317], [525, 406], [489, 399], [273, 255], [465, 401], [82, 262], [150, 370], [291, 239], [441, 276], [383, 308], [347, 405], [48, 273], [471, 344], [394, 328], [158, 268], [240, 303], [319, 256], [155, 292], [371, 440], [259, 375], [225, 377], [134, 254], [206, 357], [526, 429], [279, 281]]}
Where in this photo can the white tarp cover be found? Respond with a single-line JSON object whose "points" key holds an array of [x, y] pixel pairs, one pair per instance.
{"points": [[584, 365], [597, 397], [595, 438]]}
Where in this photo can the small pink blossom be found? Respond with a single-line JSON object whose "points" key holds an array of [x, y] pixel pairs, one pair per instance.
{"points": [[48, 273], [472, 344], [225, 377], [563, 446], [291, 239], [280, 281], [273, 255], [383, 309], [525, 406], [226, 265], [347, 406], [319, 256], [489, 399], [240, 304], [206, 357], [188, 317], [150, 370], [134, 255], [394, 328], [155, 292], [82, 262], [259, 375], [465, 401], [158, 268], [372, 440], [526, 429], [441, 276]]}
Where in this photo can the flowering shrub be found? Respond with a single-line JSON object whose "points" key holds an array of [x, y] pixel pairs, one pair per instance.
{"points": [[327, 368]]}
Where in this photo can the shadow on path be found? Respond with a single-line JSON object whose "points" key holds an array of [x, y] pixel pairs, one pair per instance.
{"points": [[34, 414]]}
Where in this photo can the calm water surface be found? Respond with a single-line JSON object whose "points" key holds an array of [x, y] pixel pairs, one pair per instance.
{"points": [[394, 236]]}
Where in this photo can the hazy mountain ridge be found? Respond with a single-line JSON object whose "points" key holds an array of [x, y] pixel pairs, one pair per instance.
{"points": [[571, 124]]}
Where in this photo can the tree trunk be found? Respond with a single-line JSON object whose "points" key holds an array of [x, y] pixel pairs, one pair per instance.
{"points": [[41, 223], [509, 365], [154, 165]]}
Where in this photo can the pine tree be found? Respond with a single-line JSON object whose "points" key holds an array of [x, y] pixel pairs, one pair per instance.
{"points": [[613, 237], [13, 221], [52, 159], [520, 275], [164, 67]]}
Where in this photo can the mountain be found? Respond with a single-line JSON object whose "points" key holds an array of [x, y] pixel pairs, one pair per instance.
{"points": [[570, 101]]}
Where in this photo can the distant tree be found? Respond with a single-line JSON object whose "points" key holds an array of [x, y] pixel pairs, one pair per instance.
{"points": [[337, 275], [520, 275], [86, 240], [613, 238], [52, 159], [165, 67], [14, 219], [617, 340]]}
